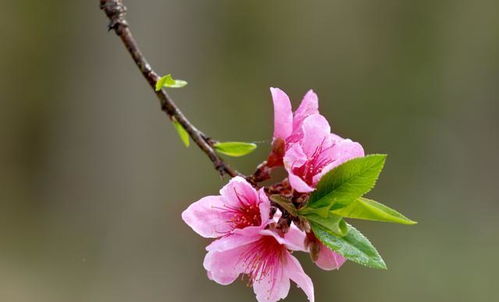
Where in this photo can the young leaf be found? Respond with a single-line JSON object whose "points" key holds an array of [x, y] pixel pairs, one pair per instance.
{"points": [[182, 133], [168, 81], [347, 182], [354, 246], [368, 209], [234, 149], [333, 223], [284, 203]]}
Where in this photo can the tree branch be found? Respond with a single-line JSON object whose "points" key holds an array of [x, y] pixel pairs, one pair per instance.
{"points": [[115, 10]]}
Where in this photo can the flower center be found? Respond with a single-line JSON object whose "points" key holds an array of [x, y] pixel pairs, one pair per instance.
{"points": [[314, 164], [247, 216], [263, 259], [246, 213]]}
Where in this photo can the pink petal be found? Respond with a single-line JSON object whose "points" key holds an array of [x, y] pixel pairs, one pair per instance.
{"points": [[295, 272], [283, 115], [240, 238], [298, 184], [206, 218], [316, 131], [272, 287], [277, 216], [346, 149], [342, 151], [270, 233], [277, 237], [295, 239], [329, 260], [225, 266], [264, 207], [237, 190], [294, 157], [309, 105], [317, 177]]}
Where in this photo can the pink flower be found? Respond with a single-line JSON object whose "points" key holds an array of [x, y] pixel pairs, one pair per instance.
{"points": [[264, 258], [240, 216], [308, 160], [287, 126], [310, 151], [238, 206], [316, 153]]}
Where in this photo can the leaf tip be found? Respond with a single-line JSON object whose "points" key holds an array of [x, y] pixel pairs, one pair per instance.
{"points": [[383, 266], [182, 133], [378, 264], [382, 157]]}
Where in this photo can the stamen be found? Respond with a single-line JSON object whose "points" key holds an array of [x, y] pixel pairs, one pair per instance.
{"points": [[315, 163], [263, 259], [246, 213]]}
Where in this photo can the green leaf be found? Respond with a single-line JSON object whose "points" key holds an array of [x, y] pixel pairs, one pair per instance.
{"points": [[347, 182], [234, 149], [323, 212], [284, 203], [168, 81], [182, 133], [368, 209], [333, 223], [354, 246]]}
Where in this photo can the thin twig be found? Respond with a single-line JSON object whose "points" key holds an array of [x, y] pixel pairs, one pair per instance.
{"points": [[115, 10]]}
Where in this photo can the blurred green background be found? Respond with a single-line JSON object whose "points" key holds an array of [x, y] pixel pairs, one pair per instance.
{"points": [[93, 177]]}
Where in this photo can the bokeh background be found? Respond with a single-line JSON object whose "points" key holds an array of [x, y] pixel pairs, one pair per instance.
{"points": [[93, 177]]}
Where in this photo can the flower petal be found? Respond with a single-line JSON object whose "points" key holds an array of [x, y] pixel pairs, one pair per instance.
{"points": [[240, 238], [283, 115], [238, 192], [309, 105], [206, 217], [346, 149], [342, 151], [294, 157], [295, 239], [295, 272], [273, 286], [329, 260], [316, 131], [225, 266], [298, 184], [264, 207]]}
